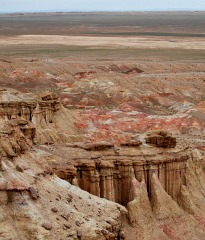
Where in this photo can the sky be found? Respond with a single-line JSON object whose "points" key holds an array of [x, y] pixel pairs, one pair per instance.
{"points": [[99, 5]]}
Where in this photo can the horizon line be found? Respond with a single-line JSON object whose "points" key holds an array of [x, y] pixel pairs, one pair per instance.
{"points": [[100, 11]]}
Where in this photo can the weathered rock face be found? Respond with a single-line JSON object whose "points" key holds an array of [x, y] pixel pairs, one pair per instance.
{"points": [[28, 189], [16, 137], [42, 117], [108, 170], [155, 184], [162, 185], [14, 104], [111, 176], [37, 205], [161, 139]]}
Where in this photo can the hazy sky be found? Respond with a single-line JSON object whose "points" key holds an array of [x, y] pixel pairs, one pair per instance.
{"points": [[99, 5]]}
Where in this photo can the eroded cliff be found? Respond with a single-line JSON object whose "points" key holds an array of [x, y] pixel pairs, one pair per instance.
{"points": [[54, 187]]}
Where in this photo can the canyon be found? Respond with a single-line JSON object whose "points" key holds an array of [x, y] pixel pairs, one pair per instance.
{"points": [[100, 139], [155, 175]]}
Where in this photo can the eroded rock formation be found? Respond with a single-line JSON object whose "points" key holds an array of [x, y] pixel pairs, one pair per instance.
{"points": [[110, 176], [42, 114], [16, 136], [156, 185], [161, 139], [92, 190], [34, 203]]}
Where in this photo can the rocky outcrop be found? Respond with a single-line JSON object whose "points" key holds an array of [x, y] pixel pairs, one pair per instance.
{"points": [[37, 205], [161, 139], [111, 178], [40, 116], [107, 171], [14, 105], [93, 190], [16, 137], [160, 187]]}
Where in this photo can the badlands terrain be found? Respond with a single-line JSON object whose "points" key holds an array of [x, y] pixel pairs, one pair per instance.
{"points": [[102, 131]]}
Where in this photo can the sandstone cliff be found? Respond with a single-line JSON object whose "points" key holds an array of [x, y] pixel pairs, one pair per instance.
{"points": [[43, 113], [52, 189]]}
